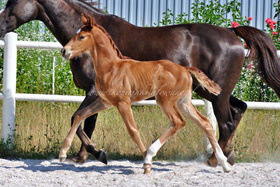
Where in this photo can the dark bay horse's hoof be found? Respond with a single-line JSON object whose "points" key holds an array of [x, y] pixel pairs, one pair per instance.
{"points": [[102, 157], [231, 158], [79, 159], [212, 162]]}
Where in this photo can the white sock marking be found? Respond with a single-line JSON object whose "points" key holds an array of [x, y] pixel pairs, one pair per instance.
{"points": [[152, 151], [222, 158]]}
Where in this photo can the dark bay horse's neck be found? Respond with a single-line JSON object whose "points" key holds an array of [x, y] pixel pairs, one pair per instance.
{"points": [[110, 23], [61, 19], [115, 26]]}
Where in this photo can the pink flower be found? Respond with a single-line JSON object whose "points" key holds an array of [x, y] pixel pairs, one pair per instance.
{"points": [[234, 24], [268, 21], [271, 26], [274, 33], [250, 18]]}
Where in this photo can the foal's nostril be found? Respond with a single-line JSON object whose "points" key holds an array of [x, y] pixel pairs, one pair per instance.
{"points": [[63, 52]]}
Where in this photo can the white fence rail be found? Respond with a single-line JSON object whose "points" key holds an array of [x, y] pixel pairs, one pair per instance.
{"points": [[9, 95]]}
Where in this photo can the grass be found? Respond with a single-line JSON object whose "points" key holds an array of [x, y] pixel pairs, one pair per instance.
{"points": [[41, 128]]}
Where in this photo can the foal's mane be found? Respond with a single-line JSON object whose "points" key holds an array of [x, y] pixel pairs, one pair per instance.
{"points": [[119, 53]]}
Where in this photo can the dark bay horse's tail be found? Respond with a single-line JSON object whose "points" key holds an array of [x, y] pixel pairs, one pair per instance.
{"points": [[204, 81], [264, 54]]}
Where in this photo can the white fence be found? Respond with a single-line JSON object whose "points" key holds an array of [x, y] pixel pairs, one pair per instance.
{"points": [[9, 95]]}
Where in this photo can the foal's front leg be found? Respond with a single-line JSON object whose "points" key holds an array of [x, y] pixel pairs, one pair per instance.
{"points": [[81, 115], [125, 111]]}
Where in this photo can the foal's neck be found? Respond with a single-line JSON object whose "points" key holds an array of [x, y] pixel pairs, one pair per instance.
{"points": [[103, 53]]}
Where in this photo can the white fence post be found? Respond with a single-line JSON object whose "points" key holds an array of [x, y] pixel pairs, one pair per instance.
{"points": [[210, 114], [9, 88]]}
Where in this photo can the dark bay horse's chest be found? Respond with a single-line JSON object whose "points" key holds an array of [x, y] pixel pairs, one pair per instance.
{"points": [[83, 72]]}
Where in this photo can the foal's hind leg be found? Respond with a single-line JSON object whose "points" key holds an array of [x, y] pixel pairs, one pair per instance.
{"points": [[81, 115], [203, 122], [177, 121]]}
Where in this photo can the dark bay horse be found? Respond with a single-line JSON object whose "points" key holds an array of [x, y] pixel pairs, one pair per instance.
{"points": [[217, 51], [122, 81]]}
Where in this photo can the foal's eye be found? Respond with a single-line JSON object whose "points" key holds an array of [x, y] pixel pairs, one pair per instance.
{"points": [[81, 37]]}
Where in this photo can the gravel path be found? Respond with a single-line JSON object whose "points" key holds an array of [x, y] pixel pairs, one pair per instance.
{"points": [[126, 173]]}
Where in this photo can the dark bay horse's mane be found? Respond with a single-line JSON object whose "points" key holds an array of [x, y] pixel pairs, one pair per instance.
{"points": [[89, 7], [85, 4], [114, 46], [10, 2], [92, 3]]}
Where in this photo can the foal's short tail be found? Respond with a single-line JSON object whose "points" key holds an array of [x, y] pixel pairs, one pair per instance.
{"points": [[204, 81]]}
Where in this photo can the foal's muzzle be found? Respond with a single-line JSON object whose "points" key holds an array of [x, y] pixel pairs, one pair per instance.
{"points": [[65, 54]]}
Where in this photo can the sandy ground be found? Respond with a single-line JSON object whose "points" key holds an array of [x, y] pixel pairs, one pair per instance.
{"points": [[126, 173]]}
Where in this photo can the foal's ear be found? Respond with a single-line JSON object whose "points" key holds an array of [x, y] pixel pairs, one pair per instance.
{"points": [[90, 21], [87, 21], [84, 19]]}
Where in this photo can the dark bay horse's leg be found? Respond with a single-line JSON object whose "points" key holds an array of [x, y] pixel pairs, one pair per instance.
{"points": [[89, 127], [228, 115], [221, 108], [237, 109], [89, 147], [228, 110], [80, 115]]}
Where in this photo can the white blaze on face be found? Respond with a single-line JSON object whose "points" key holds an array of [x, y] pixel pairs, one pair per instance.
{"points": [[78, 31]]}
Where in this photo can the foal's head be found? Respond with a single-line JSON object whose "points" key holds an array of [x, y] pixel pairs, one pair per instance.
{"points": [[89, 37], [82, 42]]}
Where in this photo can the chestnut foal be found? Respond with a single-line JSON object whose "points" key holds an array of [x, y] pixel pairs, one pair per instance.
{"points": [[121, 81]]}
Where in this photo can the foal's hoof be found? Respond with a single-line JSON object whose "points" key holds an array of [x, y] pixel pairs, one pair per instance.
{"points": [[101, 156], [62, 159], [147, 168], [227, 167], [231, 158]]}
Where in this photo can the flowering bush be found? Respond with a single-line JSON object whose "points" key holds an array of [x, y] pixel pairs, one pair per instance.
{"points": [[273, 29]]}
